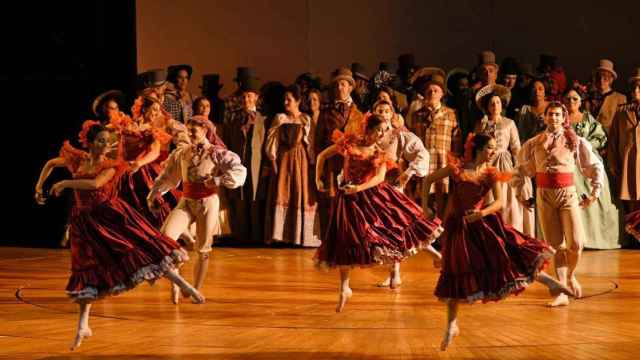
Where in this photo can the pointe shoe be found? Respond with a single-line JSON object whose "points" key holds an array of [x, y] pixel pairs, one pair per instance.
{"points": [[451, 332], [575, 286], [560, 300], [344, 296], [395, 283], [80, 335], [196, 296], [175, 294], [558, 288], [385, 283]]}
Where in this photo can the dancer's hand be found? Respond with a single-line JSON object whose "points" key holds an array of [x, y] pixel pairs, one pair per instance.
{"points": [[527, 203], [349, 189], [586, 201], [473, 215], [58, 188], [152, 202], [403, 179], [320, 185], [39, 196], [134, 166]]}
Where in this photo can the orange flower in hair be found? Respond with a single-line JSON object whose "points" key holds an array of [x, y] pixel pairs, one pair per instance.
{"points": [[82, 136]]}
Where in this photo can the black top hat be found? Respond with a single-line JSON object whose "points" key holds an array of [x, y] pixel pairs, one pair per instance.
{"points": [[509, 66], [358, 71], [211, 81], [244, 73], [154, 78], [250, 85], [406, 61], [387, 66], [172, 71]]}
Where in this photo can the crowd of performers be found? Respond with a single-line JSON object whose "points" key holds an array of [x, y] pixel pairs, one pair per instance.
{"points": [[360, 177]]}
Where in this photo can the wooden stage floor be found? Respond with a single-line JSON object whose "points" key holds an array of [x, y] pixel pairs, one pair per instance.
{"points": [[273, 304]]}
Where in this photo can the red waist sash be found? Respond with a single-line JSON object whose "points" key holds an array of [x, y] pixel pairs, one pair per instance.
{"points": [[554, 180], [197, 191]]}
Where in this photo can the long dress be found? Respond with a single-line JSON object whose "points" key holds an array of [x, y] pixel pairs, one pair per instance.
{"points": [[601, 219], [113, 247], [487, 259], [376, 226], [291, 203], [505, 132], [134, 187]]}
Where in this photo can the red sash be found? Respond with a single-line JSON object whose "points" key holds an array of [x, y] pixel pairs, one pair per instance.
{"points": [[554, 180], [197, 191]]}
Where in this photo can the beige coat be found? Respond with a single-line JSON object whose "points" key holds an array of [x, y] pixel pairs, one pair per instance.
{"points": [[609, 108], [623, 155]]}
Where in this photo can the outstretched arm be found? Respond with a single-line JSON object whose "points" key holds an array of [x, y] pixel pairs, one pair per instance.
{"points": [[322, 157], [376, 180], [149, 157], [437, 175], [84, 184], [44, 175]]}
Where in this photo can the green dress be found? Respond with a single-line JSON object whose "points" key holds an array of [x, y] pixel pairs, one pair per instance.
{"points": [[600, 220]]}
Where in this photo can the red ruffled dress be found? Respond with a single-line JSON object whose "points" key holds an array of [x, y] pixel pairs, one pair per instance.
{"points": [[487, 259], [375, 226], [113, 247], [134, 187]]}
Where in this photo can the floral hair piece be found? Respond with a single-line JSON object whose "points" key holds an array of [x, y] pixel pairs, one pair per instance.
{"points": [[82, 136], [468, 148]]}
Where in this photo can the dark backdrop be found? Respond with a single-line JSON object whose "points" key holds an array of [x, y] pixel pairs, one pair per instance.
{"points": [[57, 57]]}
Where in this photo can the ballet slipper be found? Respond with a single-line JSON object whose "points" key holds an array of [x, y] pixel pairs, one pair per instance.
{"points": [[80, 335], [560, 300], [557, 288], [452, 331], [175, 294], [344, 296], [575, 286]]}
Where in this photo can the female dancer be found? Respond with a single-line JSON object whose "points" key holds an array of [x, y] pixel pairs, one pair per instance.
{"points": [[482, 257], [371, 221], [113, 247]]}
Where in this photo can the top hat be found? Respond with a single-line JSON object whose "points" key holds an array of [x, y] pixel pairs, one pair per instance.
{"points": [[358, 71], [487, 57], [342, 74], [606, 65], [154, 78], [244, 73]]}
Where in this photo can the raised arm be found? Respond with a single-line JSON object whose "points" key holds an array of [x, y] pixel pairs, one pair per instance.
{"points": [[44, 175], [84, 184], [322, 157], [147, 158], [230, 172]]}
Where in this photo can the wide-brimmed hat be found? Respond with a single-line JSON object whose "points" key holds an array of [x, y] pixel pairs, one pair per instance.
{"points": [[358, 70], [250, 85], [342, 74], [173, 70], [487, 57], [635, 76], [244, 73], [606, 65], [428, 72], [211, 81], [100, 100], [502, 91], [154, 77], [452, 78]]}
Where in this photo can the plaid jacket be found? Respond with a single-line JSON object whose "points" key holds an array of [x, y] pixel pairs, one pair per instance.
{"points": [[440, 133]]}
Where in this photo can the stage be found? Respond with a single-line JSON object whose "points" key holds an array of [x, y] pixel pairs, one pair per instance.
{"points": [[274, 304]]}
